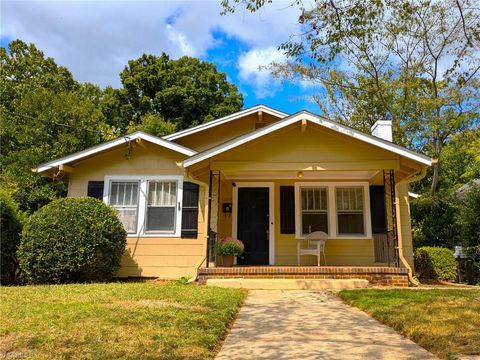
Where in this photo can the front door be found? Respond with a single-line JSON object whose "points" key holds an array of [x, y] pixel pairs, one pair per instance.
{"points": [[253, 224]]}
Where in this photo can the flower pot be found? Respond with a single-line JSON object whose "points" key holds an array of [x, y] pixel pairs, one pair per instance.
{"points": [[227, 260]]}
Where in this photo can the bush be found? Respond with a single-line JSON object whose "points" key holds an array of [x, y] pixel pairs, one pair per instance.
{"points": [[72, 240], [433, 222], [435, 263], [468, 217], [10, 229], [230, 246]]}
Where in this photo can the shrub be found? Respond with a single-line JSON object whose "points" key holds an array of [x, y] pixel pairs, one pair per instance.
{"points": [[433, 221], [230, 246], [72, 240], [10, 229], [435, 263], [468, 217]]}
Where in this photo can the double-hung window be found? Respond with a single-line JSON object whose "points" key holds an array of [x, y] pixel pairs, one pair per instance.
{"points": [[350, 210], [124, 199], [314, 211], [149, 206], [340, 209], [161, 206]]}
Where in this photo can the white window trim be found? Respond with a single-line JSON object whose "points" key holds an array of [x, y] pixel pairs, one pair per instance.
{"points": [[142, 202], [332, 208]]}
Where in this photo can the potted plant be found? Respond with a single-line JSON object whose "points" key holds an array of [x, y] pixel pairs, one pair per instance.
{"points": [[228, 248]]}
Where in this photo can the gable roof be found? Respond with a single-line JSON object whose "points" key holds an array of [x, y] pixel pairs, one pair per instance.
{"points": [[225, 119], [306, 115], [110, 144]]}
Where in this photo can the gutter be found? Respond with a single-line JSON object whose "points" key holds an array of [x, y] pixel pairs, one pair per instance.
{"points": [[415, 177]]}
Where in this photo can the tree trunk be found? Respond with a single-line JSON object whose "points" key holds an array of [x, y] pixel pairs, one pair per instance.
{"points": [[435, 178]]}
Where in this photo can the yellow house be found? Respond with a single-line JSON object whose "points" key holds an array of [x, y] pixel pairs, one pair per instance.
{"points": [[265, 177]]}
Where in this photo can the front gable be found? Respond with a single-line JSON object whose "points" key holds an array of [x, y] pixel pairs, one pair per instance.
{"points": [[213, 133], [304, 122]]}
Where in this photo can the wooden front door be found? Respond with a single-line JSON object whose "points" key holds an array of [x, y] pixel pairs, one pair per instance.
{"points": [[253, 224]]}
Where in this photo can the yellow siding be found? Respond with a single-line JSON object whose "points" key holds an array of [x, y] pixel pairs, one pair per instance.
{"points": [[219, 134], [168, 258], [316, 144], [404, 223], [337, 251]]}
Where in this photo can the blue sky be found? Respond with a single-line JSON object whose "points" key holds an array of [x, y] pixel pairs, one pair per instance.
{"points": [[96, 39]]}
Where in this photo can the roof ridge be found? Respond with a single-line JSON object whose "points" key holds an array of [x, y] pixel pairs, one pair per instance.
{"points": [[225, 119]]}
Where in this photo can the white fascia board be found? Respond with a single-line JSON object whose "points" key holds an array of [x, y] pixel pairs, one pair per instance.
{"points": [[314, 119], [224, 120], [110, 144]]}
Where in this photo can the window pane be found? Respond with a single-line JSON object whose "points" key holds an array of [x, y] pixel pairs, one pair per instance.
{"points": [[314, 222], [124, 198], [162, 193], [350, 215], [349, 198], [350, 223], [128, 217], [314, 198], [160, 218], [124, 193]]}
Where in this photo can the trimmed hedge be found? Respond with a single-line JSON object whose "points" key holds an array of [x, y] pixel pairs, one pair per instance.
{"points": [[435, 263], [10, 229], [72, 240]]}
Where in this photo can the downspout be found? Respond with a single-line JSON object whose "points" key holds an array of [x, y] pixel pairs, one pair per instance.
{"points": [[415, 177], [205, 186]]}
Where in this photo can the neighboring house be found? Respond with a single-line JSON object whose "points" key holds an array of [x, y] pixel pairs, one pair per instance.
{"points": [[260, 175]]}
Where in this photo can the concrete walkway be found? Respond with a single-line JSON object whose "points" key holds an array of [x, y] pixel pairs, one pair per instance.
{"points": [[279, 324]]}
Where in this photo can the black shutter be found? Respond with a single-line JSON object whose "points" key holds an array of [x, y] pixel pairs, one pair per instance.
{"points": [[190, 210], [377, 209], [95, 189], [287, 210]]}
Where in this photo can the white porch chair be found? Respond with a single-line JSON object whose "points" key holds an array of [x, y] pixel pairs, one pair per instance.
{"points": [[315, 246]]}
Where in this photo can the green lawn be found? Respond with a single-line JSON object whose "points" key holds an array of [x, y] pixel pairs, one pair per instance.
{"points": [[444, 321], [117, 320]]}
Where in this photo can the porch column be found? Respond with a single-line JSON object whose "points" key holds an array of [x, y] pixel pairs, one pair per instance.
{"points": [[391, 217], [213, 211]]}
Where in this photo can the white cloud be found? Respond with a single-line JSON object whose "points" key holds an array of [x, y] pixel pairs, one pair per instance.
{"points": [[251, 66], [95, 39], [178, 38]]}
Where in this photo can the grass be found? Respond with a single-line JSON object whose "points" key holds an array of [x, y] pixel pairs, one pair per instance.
{"points": [[444, 321], [115, 321]]}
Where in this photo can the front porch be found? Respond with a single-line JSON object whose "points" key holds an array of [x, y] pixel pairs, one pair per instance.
{"points": [[375, 275]]}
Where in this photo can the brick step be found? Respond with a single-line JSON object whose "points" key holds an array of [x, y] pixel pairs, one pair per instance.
{"points": [[289, 284], [374, 275]]}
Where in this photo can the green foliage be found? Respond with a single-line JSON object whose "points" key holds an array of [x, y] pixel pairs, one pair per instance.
{"points": [[71, 240], [185, 92], [435, 263], [433, 221], [468, 217], [153, 124], [230, 246], [45, 114], [384, 59], [10, 229]]}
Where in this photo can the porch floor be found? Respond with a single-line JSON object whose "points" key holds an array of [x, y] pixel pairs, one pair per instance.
{"points": [[376, 275]]}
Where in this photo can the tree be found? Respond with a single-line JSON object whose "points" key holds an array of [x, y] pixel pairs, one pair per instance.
{"points": [[153, 124], [45, 114], [184, 92], [10, 229], [414, 62]]}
